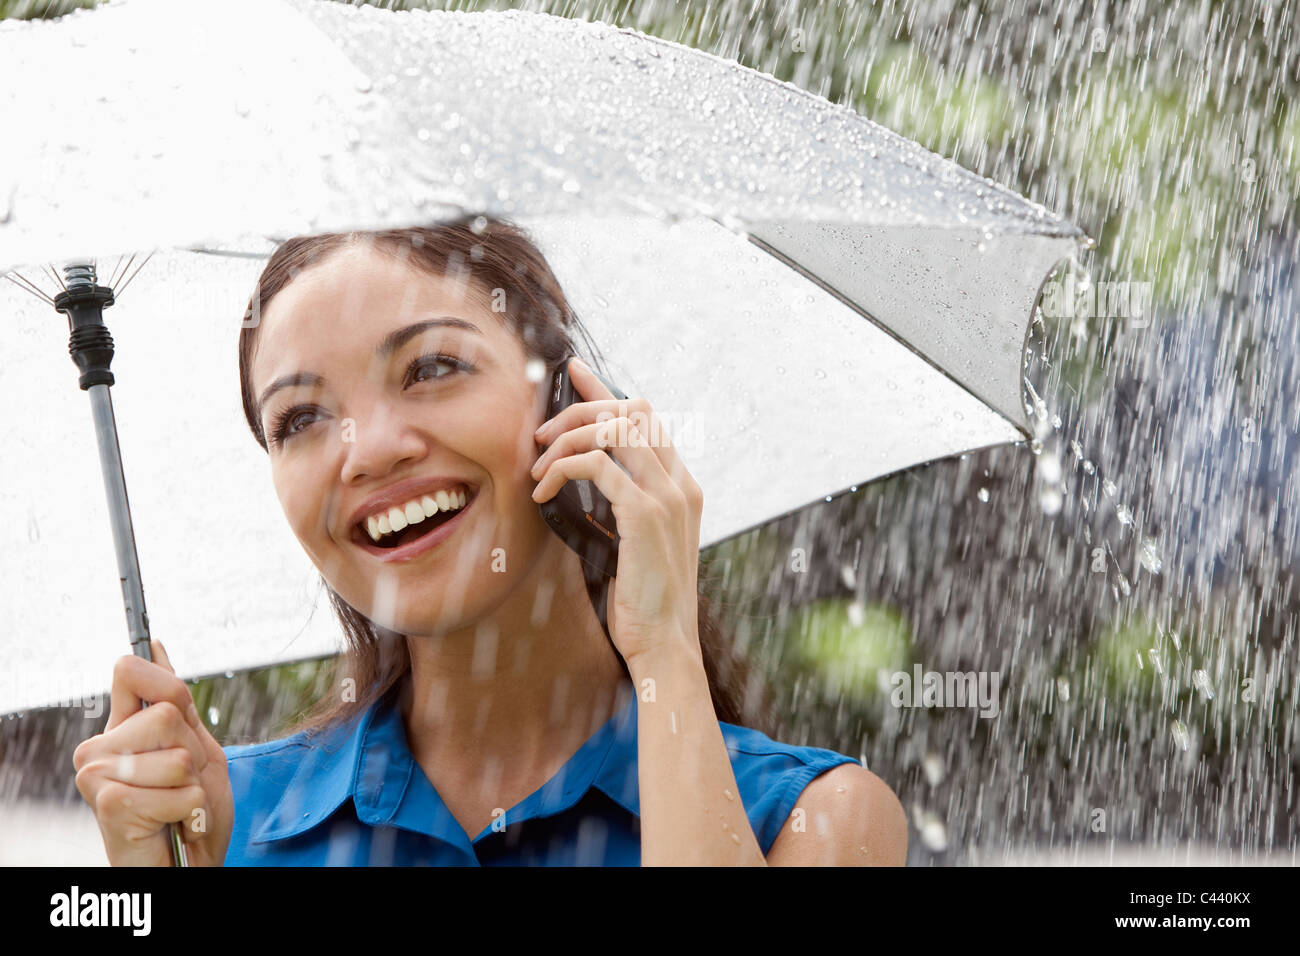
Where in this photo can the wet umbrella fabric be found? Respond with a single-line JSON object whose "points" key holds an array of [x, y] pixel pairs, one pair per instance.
{"points": [[809, 300]]}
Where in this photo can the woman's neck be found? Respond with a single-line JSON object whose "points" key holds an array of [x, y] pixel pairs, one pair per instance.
{"points": [[494, 710]]}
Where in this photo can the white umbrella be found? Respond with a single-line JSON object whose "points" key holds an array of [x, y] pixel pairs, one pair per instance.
{"points": [[845, 303]]}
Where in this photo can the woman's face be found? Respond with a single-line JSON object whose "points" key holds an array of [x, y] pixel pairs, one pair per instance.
{"points": [[376, 421]]}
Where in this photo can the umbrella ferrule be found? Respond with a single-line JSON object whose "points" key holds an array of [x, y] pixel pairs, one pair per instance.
{"points": [[89, 344]]}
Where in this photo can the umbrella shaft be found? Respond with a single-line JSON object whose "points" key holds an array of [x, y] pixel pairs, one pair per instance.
{"points": [[128, 562], [119, 514]]}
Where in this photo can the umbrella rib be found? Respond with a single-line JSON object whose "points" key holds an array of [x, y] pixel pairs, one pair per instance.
{"points": [[821, 283], [29, 287], [118, 273], [231, 253], [50, 270], [134, 274]]}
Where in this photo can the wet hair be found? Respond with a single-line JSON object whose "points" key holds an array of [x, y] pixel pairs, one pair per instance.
{"points": [[490, 254]]}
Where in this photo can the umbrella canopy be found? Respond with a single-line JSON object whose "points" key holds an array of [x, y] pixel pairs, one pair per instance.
{"points": [[809, 300]]}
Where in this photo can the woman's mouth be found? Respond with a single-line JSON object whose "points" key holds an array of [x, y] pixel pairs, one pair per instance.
{"points": [[401, 538]]}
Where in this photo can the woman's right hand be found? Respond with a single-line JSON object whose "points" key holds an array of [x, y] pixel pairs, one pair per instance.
{"points": [[154, 766]]}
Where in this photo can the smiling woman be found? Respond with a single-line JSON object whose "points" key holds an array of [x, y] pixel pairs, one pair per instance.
{"points": [[482, 714]]}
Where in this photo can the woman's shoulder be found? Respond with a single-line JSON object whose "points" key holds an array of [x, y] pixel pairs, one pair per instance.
{"points": [[772, 774]]}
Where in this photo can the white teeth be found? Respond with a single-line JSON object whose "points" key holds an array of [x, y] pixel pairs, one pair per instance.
{"points": [[415, 511], [397, 518]]}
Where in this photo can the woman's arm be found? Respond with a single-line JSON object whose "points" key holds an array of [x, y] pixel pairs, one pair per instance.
{"points": [[691, 811]]}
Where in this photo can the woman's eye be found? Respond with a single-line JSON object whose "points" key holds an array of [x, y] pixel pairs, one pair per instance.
{"points": [[295, 420], [286, 422], [426, 362]]}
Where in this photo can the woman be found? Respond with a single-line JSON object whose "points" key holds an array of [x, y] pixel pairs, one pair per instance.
{"points": [[482, 715]]}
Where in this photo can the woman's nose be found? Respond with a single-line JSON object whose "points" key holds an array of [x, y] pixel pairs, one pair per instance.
{"points": [[374, 445]]}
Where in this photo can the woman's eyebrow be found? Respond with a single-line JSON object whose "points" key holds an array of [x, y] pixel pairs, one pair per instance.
{"points": [[391, 343]]}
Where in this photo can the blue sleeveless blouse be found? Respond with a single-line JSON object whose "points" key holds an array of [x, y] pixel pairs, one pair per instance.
{"points": [[354, 795]]}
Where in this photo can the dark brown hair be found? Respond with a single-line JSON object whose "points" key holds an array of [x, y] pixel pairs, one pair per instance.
{"points": [[494, 254]]}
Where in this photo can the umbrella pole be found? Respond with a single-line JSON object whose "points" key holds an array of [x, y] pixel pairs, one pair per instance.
{"points": [[91, 347]]}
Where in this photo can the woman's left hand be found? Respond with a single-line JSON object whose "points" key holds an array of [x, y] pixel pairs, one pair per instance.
{"points": [[658, 508]]}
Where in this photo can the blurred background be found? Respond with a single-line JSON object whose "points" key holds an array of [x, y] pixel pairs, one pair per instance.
{"points": [[1129, 575]]}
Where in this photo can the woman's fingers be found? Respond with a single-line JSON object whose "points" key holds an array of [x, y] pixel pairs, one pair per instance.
{"points": [[633, 425], [173, 767], [136, 680], [594, 466], [599, 400], [586, 382], [155, 765], [160, 726], [160, 655], [140, 812], [635, 410], [576, 429], [624, 440]]}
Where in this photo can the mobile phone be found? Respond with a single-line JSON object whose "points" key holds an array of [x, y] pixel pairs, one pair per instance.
{"points": [[579, 513]]}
